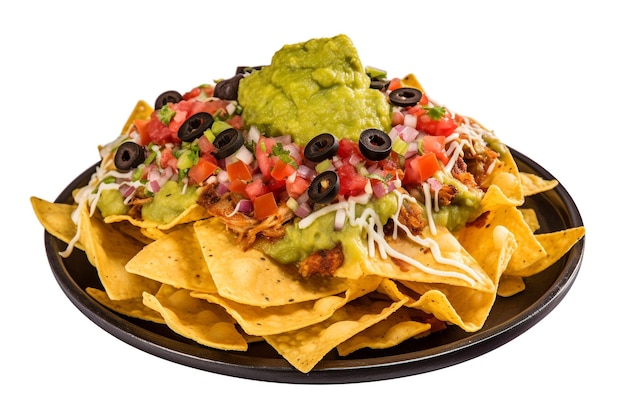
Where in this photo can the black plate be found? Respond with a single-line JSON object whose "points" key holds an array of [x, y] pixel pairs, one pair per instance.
{"points": [[509, 317]]}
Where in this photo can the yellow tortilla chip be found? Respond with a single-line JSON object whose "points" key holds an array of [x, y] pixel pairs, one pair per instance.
{"points": [[109, 250], [455, 267], [304, 348], [132, 307], [191, 214], [176, 259], [529, 249], [534, 184], [507, 177], [195, 319], [466, 307], [556, 244], [509, 286], [252, 278], [390, 332], [142, 110], [263, 321], [530, 217], [56, 218]]}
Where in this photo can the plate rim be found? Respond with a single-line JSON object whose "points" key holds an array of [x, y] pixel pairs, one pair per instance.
{"points": [[333, 371]]}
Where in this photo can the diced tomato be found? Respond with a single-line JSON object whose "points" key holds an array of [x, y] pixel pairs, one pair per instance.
{"points": [[296, 186], [397, 118], [256, 188], [238, 186], [348, 148], [394, 84], [168, 158], [142, 128], [282, 170], [436, 145], [239, 170], [419, 168], [262, 153], [350, 182], [177, 121], [202, 170], [276, 186], [265, 206], [236, 121], [442, 127], [158, 133], [206, 147]]}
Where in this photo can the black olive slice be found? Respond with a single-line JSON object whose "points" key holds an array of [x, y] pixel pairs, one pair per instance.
{"points": [[244, 69], [379, 84], [405, 96], [228, 89], [129, 155], [195, 126], [324, 187], [227, 142], [321, 147], [167, 97], [375, 144]]}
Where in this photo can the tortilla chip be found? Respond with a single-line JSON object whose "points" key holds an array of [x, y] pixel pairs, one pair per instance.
{"points": [[109, 250], [530, 217], [56, 218], [132, 307], [304, 348], [534, 184], [264, 321], [556, 244], [176, 260], [195, 319], [142, 110], [529, 249], [390, 332], [456, 268], [507, 177], [509, 286], [254, 279], [466, 307], [191, 214]]}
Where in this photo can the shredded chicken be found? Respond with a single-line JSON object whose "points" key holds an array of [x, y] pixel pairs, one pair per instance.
{"points": [[322, 262], [245, 227]]}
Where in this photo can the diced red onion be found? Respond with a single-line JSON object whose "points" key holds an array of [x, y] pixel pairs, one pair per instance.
{"points": [[306, 172], [379, 189], [409, 134], [127, 190], [434, 183], [245, 206], [222, 188], [411, 151], [155, 186], [410, 120], [303, 210]]}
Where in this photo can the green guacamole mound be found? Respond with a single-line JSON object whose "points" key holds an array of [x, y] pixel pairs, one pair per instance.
{"points": [[314, 87]]}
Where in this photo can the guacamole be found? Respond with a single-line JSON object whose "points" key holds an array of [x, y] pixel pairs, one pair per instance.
{"points": [[318, 86], [299, 243], [169, 202]]}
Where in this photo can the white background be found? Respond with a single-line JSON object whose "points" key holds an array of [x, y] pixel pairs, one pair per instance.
{"points": [[547, 77]]}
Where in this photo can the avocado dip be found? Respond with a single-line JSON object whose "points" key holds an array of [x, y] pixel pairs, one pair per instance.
{"points": [[314, 87]]}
